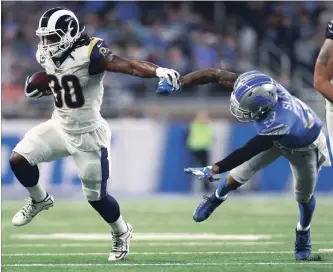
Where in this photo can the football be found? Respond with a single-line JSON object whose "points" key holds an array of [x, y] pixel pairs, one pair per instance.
{"points": [[40, 81]]}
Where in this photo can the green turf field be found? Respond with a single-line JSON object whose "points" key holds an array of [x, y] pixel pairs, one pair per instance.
{"points": [[244, 234]]}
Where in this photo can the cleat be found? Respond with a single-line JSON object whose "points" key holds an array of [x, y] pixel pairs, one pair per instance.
{"points": [[303, 245], [206, 207], [31, 209], [121, 244]]}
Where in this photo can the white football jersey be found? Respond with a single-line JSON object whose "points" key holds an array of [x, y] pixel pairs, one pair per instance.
{"points": [[76, 81]]}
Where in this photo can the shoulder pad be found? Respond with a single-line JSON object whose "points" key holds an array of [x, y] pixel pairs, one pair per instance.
{"points": [[98, 50], [329, 30]]}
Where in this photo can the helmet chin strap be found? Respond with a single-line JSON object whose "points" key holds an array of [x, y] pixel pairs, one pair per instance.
{"points": [[56, 52]]}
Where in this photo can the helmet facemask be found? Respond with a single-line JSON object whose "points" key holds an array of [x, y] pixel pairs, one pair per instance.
{"points": [[52, 43], [242, 115]]}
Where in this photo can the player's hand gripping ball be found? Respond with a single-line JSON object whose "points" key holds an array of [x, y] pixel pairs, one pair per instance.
{"points": [[37, 85]]}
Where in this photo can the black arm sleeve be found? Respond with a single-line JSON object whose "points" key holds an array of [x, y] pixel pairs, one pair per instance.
{"points": [[252, 148]]}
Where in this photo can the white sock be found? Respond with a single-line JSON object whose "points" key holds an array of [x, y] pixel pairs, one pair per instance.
{"points": [[300, 228], [37, 192], [119, 226], [221, 197]]}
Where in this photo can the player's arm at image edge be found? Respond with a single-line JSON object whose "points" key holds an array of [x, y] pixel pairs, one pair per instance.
{"points": [[253, 147], [212, 75], [324, 66]]}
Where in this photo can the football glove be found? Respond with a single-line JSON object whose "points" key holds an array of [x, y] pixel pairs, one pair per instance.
{"points": [[34, 93], [169, 81], [204, 173]]}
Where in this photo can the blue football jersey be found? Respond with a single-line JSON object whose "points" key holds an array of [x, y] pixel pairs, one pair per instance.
{"points": [[292, 119]]}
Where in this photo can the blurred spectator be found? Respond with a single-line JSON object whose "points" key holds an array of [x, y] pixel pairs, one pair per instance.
{"points": [[306, 28], [13, 95], [154, 42], [127, 11], [199, 139], [205, 56], [177, 60], [229, 52], [179, 35]]}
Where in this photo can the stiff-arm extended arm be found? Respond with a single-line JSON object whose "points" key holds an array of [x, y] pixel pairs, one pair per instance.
{"points": [[225, 78]]}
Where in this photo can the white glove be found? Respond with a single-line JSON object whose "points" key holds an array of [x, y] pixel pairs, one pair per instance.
{"points": [[32, 94], [170, 75]]}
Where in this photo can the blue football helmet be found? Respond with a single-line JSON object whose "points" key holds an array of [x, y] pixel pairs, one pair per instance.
{"points": [[254, 95]]}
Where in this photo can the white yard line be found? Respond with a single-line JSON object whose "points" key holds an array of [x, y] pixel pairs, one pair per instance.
{"points": [[152, 244], [325, 250], [159, 264], [137, 243], [154, 253], [147, 236]]}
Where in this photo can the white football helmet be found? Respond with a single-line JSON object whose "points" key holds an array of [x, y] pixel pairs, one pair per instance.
{"points": [[58, 29]]}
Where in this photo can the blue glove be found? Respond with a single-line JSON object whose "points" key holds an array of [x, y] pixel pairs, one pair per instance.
{"points": [[169, 81], [164, 88], [204, 173]]}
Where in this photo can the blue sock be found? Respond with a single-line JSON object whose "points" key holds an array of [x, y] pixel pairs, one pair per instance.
{"points": [[306, 211], [224, 188], [107, 207]]}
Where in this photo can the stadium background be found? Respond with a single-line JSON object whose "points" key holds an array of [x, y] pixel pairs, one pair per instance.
{"points": [[279, 38], [254, 230]]}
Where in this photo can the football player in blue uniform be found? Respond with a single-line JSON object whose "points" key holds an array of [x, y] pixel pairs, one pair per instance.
{"points": [[323, 77], [285, 127]]}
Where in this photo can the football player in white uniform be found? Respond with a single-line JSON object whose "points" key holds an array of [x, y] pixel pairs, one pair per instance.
{"points": [[323, 77], [76, 65]]}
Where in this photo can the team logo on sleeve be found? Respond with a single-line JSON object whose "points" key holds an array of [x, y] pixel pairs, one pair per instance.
{"points": [[102, 48], [104, 51]]}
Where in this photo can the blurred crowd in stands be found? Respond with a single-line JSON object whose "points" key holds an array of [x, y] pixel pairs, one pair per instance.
{"points": [[185, 36]]}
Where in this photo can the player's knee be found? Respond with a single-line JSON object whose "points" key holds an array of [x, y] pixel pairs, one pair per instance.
{"points": [[303, 197], [17, 159], [90, 171], [232, 181], [234, 178], [92, 194]]}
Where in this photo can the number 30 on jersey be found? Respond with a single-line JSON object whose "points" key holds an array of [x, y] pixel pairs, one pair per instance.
{"points": [[69, 92]]}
